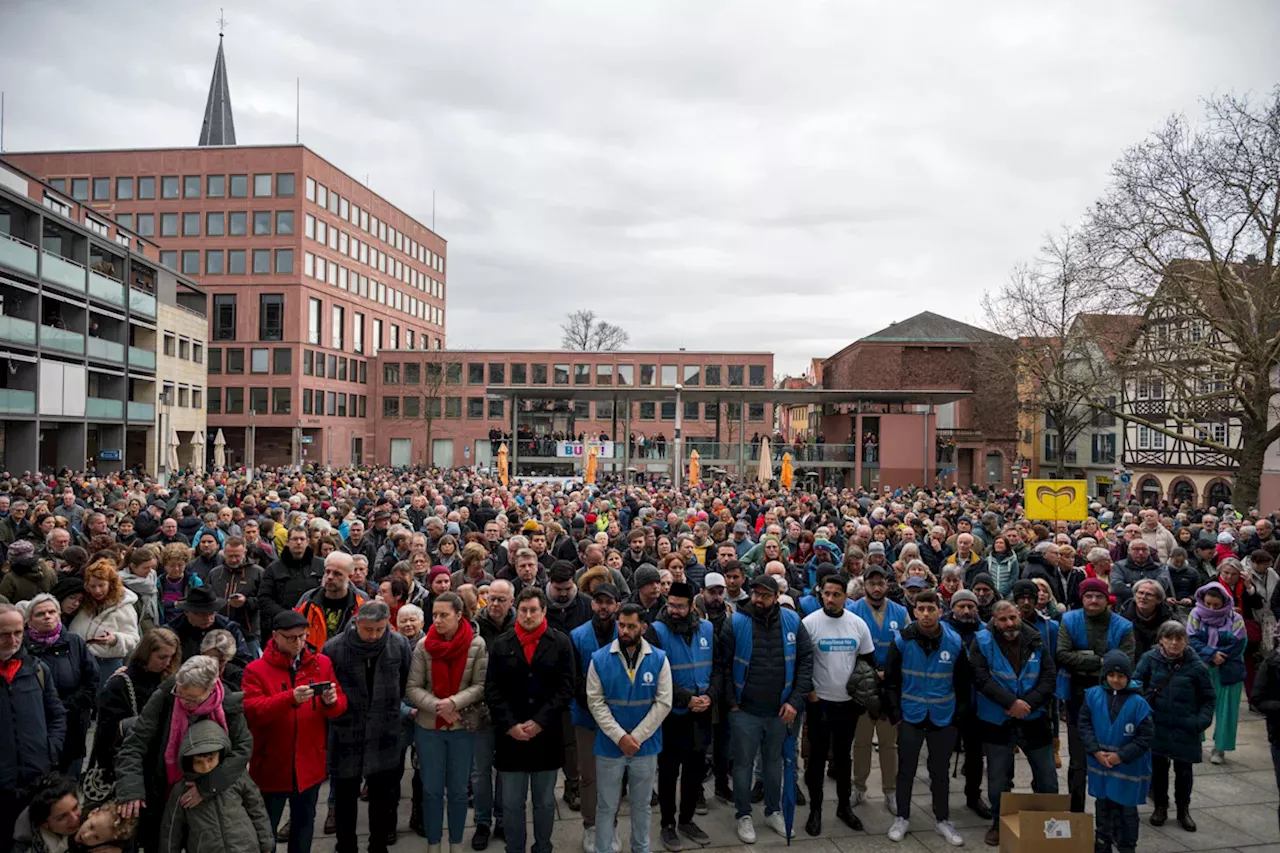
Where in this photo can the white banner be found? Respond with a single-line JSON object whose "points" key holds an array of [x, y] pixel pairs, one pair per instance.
{"points": [[577, 449]]}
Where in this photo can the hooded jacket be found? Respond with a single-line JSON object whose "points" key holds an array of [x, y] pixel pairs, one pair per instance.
{"points": [[231, 820], [148, 605], [286, 580], [27, 577]]}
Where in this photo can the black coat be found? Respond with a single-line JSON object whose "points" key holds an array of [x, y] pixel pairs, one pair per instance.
{"points": [[1144, 630], [517, 691], [33, 725], [285, 581], [75, 677], [114, 707], [565, 619], [247, 582], [191, 637], [1181, 696]]}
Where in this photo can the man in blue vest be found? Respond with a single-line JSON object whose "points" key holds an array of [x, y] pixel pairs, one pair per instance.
{"points": [[629, 694], [764, 663], [1084, 637], [920, 694], [689, 641], [1015, 678], [964, 620], [1026, 595], [587, 639], [884, 618]]}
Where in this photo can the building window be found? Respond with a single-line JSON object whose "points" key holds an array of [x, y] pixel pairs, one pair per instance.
{"points": [[215, 359], [669, 375], [169, 186], [271, 317], [236, 261], [519, 372], [648, 411], [147, 224], [169, 341], [311, 189], [197, 398], [475, 373], [475, 407], [169, 258], [235, 360], [146, 188], [412, 373], [755, 412], [284, 184], [190, 225], [124, 189], [282, 361], [582, 374], [215, 401], [756, 375], [313, 321], [452, 407], [338, 327], [604, 374], [735, 376], [239, 186], [692, 375], [258, 400], [284, 261], [357, 332], [262, 223], [1149, 439], [191, 186], [495, 409], [1218, 431], [215, 186], [239, 223], [711, 373], [262, 186], [191, 262], [259, 360], [284, 222], [124, 220], [376, 342], [308, 362], [391, 407], [215, 224], [604, 410], [213, 259], [690, 411], [261, 261], [168, 225], [197, 352], [281, 401], [235, 401], [669, 411], [497, 373]]}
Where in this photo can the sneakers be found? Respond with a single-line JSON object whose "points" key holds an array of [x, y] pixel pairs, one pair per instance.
{"points": [[776, 823], [1217, 757], [670, 840], [588, 839], [947, 830], [480, 838], [844, 814], [746, 832], [694, 833], [616, 846], [891, 804], [992, 838], [898, 831]]}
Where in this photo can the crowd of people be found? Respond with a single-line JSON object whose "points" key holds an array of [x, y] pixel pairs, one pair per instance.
{"points": [[184, 664]]}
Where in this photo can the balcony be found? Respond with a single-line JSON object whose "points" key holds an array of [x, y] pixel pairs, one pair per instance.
{"points": [[142, 358], [61, 271], [105, 350], [15, 402], [61, 339], [142, 303], [18, 331], [106, 289], [142, 412], [17, 254], [98, 407]]}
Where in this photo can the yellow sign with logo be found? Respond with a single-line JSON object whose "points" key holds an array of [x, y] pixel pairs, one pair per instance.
{"points": [[1057, 500]]}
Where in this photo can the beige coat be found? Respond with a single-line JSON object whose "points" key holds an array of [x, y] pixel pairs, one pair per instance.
{"points": [[470, 693]]}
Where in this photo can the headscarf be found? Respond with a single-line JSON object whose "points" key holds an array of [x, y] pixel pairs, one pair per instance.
{"points": [[1217, 620]]}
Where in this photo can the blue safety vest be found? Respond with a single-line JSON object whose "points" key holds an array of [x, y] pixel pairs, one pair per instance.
{"points": [[1017, 683], [1073, 622], [895, 619], [743, 628], [812, 604], [928, 681], [1126, 784], [629, 695], [691, 661], [584, 642], [1049, 635]]}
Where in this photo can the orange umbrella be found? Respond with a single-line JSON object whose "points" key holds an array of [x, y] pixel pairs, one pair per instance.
{"points": [[786, 475], [695, 469], [502, 463], [589, 475]]}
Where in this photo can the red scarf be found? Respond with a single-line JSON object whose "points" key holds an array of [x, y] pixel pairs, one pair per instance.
{"points": [[9, 669], [529, 639], [448, 661]]}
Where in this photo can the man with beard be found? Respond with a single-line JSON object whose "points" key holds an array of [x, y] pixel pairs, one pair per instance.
{"points": [[1085, 636], [238, 582], [567, 609], [689, 642], [358, 543], [921, 697], [1015, 680], [984, 589], [296, 572], [587, 639], [884, 619], [636, 556], [497, 618], [206, 558], [963, 619], [842, 645]]}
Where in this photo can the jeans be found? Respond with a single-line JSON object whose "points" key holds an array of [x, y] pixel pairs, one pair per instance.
{"points": [[384, 796], [683, 756], [1116, 824], [586, 739], [254, 646], [516, 787], [640, 770], [447, 757], [749, 734], [1044, 776], [830, 726], [488, 807], [302, 815], [1160, 782], [942, 742], [887, 735]]}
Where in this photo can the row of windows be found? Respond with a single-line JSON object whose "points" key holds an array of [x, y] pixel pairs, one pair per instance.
{"points": [[358, 250], [216, 223], [229, 261], [1150, 439], [339, 276], [184, 396], [350, 212], [280, 185], [479, 408], [620, 375], [183, 348]]}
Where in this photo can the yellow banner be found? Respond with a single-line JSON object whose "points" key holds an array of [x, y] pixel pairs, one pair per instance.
{"points": [[1057, 500]]}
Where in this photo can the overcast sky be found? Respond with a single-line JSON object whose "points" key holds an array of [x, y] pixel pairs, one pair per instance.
{"points": [[713, 175]]}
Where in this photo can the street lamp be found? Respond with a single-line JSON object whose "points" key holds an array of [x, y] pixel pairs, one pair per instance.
{"points": [[252, 432], [678, 466], [162, 446]]}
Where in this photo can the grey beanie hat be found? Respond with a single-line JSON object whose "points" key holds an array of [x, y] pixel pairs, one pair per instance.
{"points": [[963, 595], [645, 574]]}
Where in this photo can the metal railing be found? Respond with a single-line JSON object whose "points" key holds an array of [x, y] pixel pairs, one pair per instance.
{"points": [[106, 288], [142, 303], [14, 401], [61, 339], [65, 272], [18, 254], [145, 359], [100, 407]]}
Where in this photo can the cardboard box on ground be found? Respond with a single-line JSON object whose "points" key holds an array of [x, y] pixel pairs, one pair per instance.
{"points": [[1043, 823]]}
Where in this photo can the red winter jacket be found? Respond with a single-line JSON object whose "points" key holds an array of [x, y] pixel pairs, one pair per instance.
{"points": [[289, 752]]}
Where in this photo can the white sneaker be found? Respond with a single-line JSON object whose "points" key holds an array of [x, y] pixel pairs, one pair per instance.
{"points": [[746, 832], [776, 822], [616, 846], [1217, 757], [588, 839], [891, 804], [898, 831], [948, 831]]}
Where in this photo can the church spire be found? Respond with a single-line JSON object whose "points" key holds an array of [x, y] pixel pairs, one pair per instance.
{"points": [[219, 128]]}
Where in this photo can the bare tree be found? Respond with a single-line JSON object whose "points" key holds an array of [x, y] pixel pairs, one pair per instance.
{"points": [[582, 330], [439, 394], [1050, 321], [1191, 223]]}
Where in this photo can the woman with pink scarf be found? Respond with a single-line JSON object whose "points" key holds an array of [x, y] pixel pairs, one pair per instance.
{"points": [[1216, 632], [149, 762]]}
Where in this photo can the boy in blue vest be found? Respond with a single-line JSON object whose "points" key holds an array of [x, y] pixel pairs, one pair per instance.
{"points": [[1116, 727], [629, 694], [920, 678]]}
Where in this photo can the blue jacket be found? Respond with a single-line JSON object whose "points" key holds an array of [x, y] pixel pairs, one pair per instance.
{"points": [[33, 724], [1126, 731], [690, 662], [583, 640], [926, 681], [895, 619], [630, 696]]}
